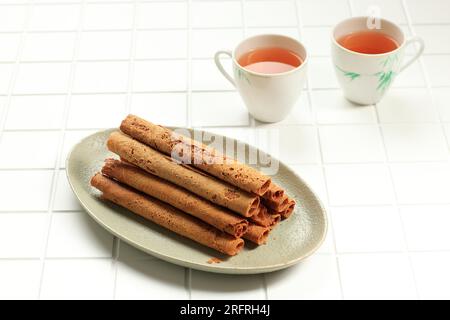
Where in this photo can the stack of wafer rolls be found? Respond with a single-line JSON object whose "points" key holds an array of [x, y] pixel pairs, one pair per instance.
{"points": [[152, 161], [219, 217], [278, 202], [167, 216], [199, 155], [210, 199], [265, 218]]}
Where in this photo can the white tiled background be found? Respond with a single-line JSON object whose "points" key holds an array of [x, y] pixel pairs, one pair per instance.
{"points": [[68, 68]]}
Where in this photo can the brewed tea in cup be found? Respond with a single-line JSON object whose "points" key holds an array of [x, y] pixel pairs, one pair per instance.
{"points": [[269, 72], [366, 60], [270, 60]]}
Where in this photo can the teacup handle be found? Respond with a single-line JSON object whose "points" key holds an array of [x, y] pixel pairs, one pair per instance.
{"points": [[220, 66], [419, 52]]}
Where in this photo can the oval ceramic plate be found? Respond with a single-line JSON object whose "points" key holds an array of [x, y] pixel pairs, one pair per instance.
{"points": [[291, 241]]}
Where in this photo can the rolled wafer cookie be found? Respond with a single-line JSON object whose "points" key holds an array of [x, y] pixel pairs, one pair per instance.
{"points": [[289, 210], [274, 193], [207, 187], [278, 206], [257, 234], [217, 216], [167, 216], [264, 218], [197, 154]]}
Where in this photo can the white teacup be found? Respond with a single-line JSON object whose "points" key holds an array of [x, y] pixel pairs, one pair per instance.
{"points": [[365, 78], [268, 97]]}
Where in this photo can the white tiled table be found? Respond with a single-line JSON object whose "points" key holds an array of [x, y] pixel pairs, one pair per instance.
{"points": [[69, 68]]}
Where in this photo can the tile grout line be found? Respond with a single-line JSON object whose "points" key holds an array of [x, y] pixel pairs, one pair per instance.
{"points": [[115, 265], [252, 124], [150, 258], [429, 87], [59, 153], [188, 282], [28, 5], [347, 253], [110, 2], [323, 89], [403, 205], [244, 33], [128, 105], [425, 162], [77, 2], [44, 31], [447, 139], [351, 8], [209, 127], [188, 29], [181, 59], [395, 202], [100, 30], [189, 65], [56, 258], [14, 74], [321, 162]]}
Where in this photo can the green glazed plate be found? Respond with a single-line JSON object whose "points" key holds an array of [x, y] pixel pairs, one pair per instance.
{"points": [[290, 242]]}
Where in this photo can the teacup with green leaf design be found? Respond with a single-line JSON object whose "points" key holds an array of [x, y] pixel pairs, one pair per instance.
{"points": [[366, 78], [268, 97]]}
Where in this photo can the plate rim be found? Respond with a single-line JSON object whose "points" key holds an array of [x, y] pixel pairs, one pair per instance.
{"points": [[214, 268]]}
